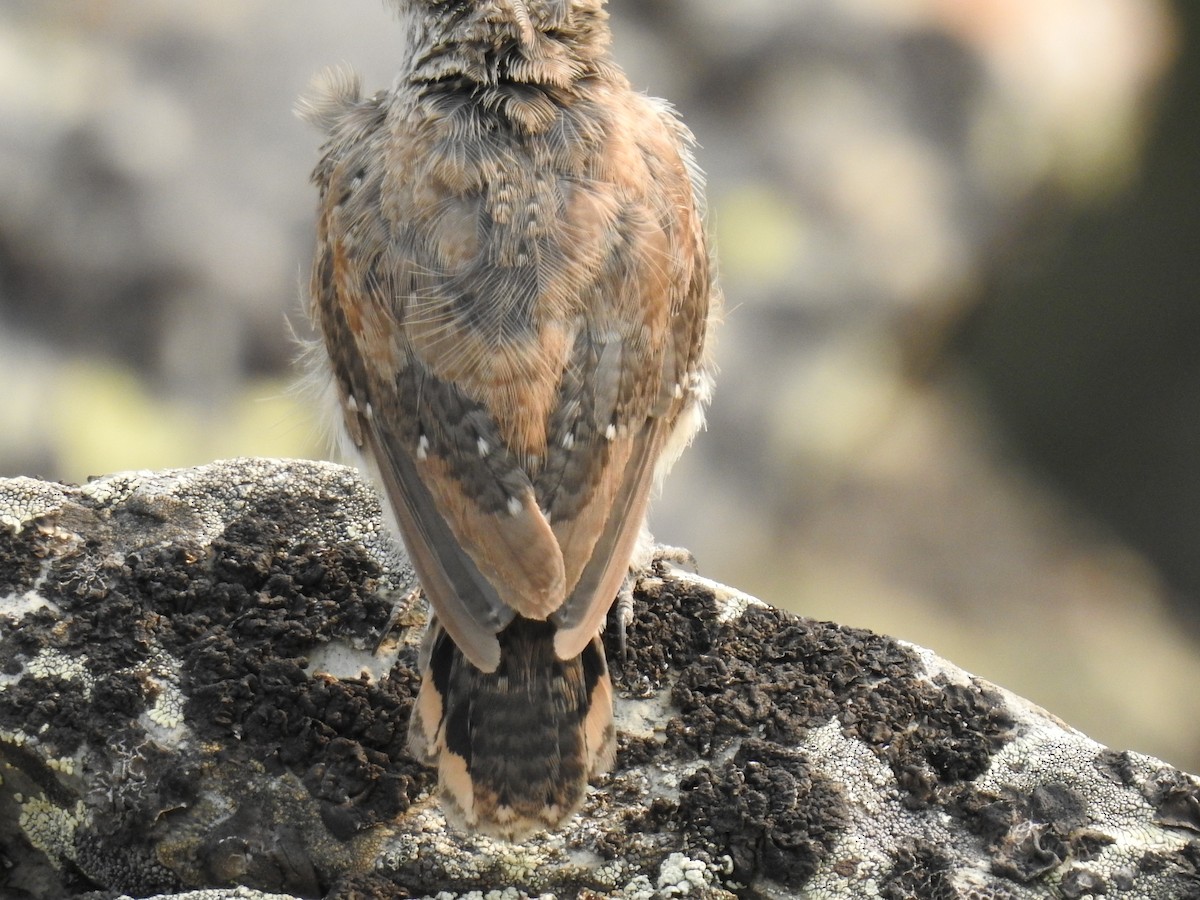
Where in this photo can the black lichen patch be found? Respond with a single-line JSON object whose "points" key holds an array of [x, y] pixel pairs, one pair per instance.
{"points": [[920, 870], [53, 708], [92, 692], [1028, 851], [242, 618], [1058, 802], [1117, 766], [258, 845], [766, 678], [778, 675], [1180, 868], [1186, 867], [1175, 798], [21, 553], [768, 810], [673, 624], [635, 751], [1030, 835], [88, 638], [65, 712], [128, 801]]}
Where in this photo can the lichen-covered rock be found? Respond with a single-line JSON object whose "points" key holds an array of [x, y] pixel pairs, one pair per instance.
{"points": [[205, 682]]}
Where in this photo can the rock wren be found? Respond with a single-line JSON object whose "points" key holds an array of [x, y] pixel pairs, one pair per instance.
{"points": [[514, 291]]}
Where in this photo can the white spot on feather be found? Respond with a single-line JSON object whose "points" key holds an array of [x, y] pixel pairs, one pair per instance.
{"points": [[484, 449], [515, 506], [423, 447]]}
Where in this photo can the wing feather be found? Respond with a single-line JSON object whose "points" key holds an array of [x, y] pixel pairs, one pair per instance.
{"points": [[584, 610], [465, 601]]}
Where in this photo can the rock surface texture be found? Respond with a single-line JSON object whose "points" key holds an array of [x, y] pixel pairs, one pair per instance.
{"points": [[206, 677]]}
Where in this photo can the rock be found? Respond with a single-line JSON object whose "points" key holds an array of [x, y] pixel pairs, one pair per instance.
{"points": [[205, 682]]}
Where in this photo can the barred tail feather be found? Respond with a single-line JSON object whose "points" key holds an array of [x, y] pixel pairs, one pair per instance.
{"points": [[514, 748]]}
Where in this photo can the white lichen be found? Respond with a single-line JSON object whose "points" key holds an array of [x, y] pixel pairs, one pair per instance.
{"points": [[680, 875], [54, 664], [50, 828], [167, 709]]}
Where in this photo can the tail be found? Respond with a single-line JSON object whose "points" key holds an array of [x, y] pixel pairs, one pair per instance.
{"points": [[513, 748]]}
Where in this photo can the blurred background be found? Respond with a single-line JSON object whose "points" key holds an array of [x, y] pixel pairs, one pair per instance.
{"points": [[959, 398]]}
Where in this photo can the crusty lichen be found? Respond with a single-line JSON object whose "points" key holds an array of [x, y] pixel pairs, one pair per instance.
{"points": [[49, 663], [49, 827], [198, 693]]}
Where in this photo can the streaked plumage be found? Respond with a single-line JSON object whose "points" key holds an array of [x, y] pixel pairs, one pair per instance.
{"points": [[513, 288]]}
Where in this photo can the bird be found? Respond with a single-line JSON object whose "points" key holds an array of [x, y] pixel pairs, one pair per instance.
{"points": [[513, 289]]}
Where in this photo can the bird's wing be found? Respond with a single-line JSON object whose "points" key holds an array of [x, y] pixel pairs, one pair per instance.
{"points": [[633, 372], [465, 508]]}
